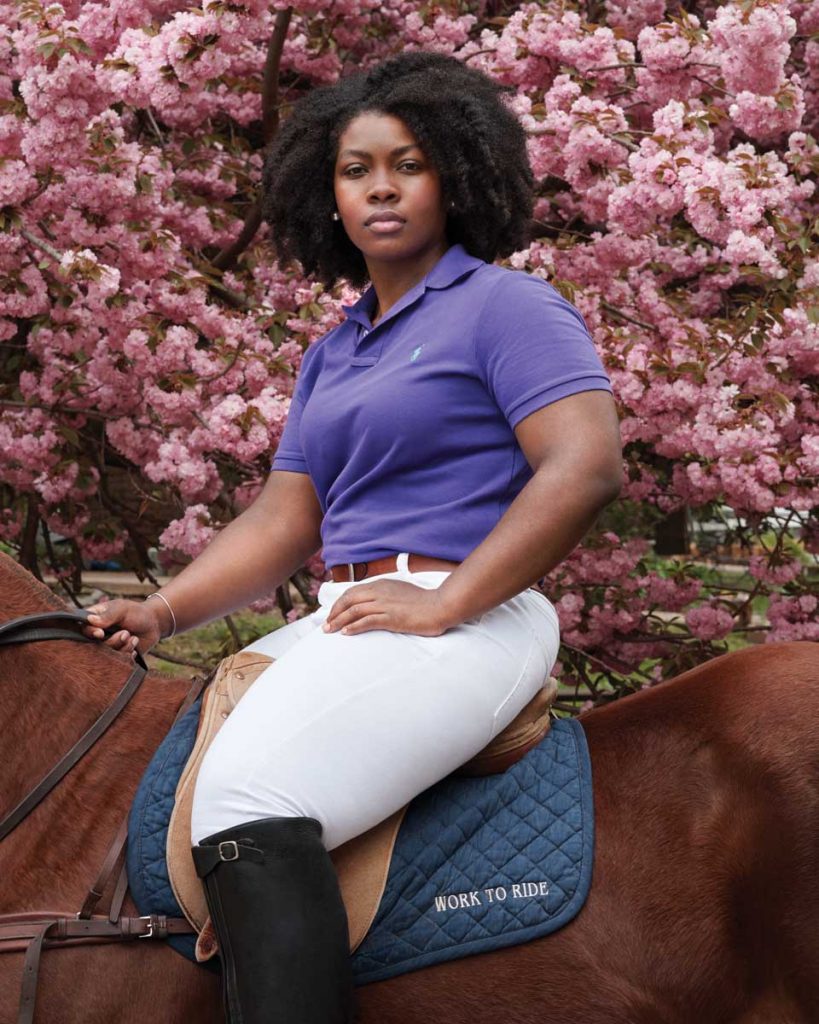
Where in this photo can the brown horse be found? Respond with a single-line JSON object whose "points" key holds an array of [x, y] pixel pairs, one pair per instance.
{"points": [[705, 898]]}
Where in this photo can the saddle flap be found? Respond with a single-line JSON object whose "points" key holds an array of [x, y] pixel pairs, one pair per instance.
{"points": [[245, 667], [362, 864], [233, 676]]}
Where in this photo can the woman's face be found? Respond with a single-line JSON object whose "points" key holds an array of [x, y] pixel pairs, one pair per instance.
{"points": [[381, 170]]}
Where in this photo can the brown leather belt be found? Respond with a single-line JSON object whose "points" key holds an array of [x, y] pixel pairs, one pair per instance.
{"points": [[350, 572]]}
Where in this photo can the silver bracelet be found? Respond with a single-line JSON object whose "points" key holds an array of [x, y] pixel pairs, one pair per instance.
{"points": [[173, 617]]}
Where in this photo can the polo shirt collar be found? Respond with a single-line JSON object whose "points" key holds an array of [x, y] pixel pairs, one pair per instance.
{"points": [[454, 264]]}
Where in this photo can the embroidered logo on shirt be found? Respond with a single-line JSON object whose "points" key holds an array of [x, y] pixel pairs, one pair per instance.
{"points": [[415, 353]]}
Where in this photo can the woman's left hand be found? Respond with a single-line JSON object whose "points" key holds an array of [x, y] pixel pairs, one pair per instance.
{"points": [[390, 604]]}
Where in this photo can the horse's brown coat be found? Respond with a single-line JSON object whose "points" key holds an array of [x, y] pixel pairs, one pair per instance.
{"points": [[704, 906]]}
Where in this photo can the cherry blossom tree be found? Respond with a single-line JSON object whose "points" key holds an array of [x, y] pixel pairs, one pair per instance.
{"points": [[150, 341]]}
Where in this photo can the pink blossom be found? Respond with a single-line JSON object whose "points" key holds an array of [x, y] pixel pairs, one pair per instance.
{"points": [[793, 618], [17, 182], [777, 572], [196, 478], [767, 117], [709, 622], [744, 248], [675, 61], [191, 533], [629, 16], [101, 548], [741, 35], [671, 593], [810, 461]]}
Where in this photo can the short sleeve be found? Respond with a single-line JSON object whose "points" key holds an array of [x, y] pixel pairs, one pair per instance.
{"points": [[289, 455], [533, 347]]}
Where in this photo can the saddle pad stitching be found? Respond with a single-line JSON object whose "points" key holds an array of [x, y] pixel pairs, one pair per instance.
{"points": [[147, 808], [147, 873], [484, 940], [506, 828]]}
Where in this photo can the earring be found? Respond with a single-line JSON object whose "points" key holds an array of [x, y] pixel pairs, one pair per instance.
{"points": [[452, 205], [335, 215]]}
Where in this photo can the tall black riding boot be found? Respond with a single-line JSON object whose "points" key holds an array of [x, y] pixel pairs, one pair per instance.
{"points": [[273, 896]]}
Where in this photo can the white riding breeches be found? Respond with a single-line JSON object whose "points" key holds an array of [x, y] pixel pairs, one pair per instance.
{"points": [[348, 729]]}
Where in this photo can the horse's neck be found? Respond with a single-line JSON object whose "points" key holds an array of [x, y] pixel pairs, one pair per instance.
{"points": [[51, 692], [50, 697], [46, 689]]}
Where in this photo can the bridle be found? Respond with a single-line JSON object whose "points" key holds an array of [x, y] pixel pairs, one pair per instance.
{"points": [[32, 931], [62, 626]]}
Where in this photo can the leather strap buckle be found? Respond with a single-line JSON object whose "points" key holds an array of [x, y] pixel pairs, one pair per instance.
{"points": [[232, 846], [157, 927]]}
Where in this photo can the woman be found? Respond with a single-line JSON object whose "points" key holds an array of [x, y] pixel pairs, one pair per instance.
{"points": [[448, 443]]}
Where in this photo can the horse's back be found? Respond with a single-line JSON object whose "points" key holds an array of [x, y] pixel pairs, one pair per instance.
{"points": [[707, 804], [703, 905]]}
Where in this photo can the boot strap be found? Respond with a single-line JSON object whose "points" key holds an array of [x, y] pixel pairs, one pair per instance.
{"points": [[206, 858]]}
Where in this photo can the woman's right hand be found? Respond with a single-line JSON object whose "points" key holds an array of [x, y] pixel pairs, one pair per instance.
{"points": [[139, 624]]}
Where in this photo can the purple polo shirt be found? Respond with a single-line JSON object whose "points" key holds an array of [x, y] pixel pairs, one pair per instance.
{"points": [[406, 428]]}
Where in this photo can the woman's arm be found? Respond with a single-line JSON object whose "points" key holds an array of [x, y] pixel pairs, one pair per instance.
{"points": [[573, 446], [246, 560], [252, 555]]}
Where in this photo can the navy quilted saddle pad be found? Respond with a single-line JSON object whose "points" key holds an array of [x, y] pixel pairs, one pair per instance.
{"points": [[478, 864]]}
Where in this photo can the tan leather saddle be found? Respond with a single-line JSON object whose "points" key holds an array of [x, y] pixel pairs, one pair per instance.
{"points": [[362, 863]]}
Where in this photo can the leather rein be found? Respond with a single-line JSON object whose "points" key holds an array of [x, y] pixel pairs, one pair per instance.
{"points": [[33, 931]]}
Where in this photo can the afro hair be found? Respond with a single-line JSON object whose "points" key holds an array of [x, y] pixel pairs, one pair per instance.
{"points": [[460, 121]]}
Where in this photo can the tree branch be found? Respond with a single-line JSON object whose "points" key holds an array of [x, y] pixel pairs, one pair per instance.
{"points": [[93, 414], [152, 120], [40, 244], [270, 123], [234, 632], [609, 669], [624, 316], [270, 82], [28, 547]]}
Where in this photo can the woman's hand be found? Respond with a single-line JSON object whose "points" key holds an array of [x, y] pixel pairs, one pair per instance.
{"points": [[140, 622], [390, 604]]}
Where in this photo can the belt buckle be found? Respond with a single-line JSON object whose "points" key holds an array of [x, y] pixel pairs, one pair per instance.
{"points": [[351, 571]]}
